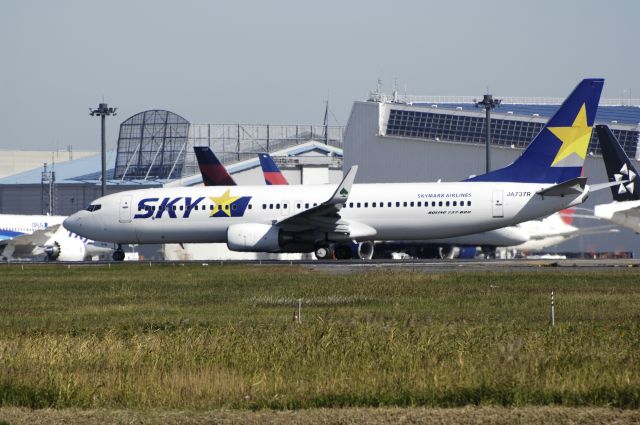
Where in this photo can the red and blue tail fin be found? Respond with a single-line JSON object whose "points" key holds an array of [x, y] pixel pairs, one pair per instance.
{"points": [[213, 172], [557, 153], [272, 174]]}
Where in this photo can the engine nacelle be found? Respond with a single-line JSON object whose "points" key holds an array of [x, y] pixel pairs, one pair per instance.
{"points": [[67, 249], [254, 237]]}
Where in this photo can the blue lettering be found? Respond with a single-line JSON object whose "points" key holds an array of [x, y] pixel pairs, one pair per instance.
{"points": [[147, 209], [190, 206], [166, 205]]}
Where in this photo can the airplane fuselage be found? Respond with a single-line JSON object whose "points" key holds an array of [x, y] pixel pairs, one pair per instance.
{"points": [[408, 211]]}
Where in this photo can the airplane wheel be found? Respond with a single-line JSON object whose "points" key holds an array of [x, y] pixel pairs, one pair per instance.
{"points": [[324, 253], [118, 255]]}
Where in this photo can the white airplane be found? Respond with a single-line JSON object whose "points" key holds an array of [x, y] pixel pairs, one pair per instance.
{"points": [[625, 208], [25, 236], [294, 218]]}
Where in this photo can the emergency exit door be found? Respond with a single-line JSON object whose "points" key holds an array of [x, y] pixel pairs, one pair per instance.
{"points": [[125, 209]]}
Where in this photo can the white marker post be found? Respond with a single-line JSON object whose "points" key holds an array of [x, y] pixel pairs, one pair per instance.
{"points": [[553, 312], [299, 310]]}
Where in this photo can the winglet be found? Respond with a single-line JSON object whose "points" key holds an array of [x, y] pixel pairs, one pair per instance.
{"points": [[341, 194]]}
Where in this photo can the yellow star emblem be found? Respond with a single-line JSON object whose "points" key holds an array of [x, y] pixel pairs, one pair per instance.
{"points": [[575, 139], [223, 203]]}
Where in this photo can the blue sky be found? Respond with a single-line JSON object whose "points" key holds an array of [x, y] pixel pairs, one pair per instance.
{"points": [[276, 61]]}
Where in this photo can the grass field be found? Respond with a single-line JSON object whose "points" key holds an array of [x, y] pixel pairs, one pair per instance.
{"points": [[222, 337]]}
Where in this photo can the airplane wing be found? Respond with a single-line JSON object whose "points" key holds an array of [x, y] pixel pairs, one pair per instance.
{"points": [[624, 213], [26, 244], [326, 216]]}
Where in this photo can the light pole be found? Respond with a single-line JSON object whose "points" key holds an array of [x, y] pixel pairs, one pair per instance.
{"points": [[489, 103], [103, 111]]}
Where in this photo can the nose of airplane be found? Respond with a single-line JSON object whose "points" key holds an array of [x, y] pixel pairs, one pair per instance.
{"points": [[74, 223]]}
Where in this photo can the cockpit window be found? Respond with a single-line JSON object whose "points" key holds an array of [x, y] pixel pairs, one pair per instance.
{"points": [[94, 207]]}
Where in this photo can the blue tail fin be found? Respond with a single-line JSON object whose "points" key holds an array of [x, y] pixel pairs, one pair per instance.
{"points": [[557, 153], [212, 170], [619, 166], [272, 174]]}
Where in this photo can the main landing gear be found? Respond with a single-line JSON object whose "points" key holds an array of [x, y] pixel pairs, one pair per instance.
{"points": [[118, 254], [324, 252]]}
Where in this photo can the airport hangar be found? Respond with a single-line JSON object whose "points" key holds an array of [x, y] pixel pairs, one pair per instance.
{"points": [[392, 139], [419, 138]]}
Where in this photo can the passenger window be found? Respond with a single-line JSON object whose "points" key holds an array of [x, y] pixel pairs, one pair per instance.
{"points": [[398, 204], [250, 206], [389, 204], [298, 206], [264, 206], [233, 207], [404, 204], [306, 205], [468, 203], [440, 203], [366, 205], [277, 206], [350, 204], [373, 205], [455, 203], [419, 203], [411, 204], [433, 203], [447, 204], [270, 206], [226, 207], [358, 204]]}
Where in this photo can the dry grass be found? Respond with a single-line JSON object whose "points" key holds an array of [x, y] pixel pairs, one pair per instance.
{"points": [[201, 338]]}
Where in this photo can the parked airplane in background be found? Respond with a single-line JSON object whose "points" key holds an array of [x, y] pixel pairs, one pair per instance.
{"points": [[272, 174], [26, 236], [212, 170], [294, 218], [625, 208]]}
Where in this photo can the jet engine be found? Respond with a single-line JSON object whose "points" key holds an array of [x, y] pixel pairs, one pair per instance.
{"points": [[361, 250], [254, 237], [450, 252], [68, 249]]}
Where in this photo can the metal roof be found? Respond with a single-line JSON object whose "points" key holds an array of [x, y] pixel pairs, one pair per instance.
{"points": [[76, 171], [605, 114]]}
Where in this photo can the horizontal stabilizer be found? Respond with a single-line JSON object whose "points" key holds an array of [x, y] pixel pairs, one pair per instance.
{"points": [[570, 187]]}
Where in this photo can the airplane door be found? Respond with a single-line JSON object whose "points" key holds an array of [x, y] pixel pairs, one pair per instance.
{"points": [[497, 206], [125, 209], [285, 208]]}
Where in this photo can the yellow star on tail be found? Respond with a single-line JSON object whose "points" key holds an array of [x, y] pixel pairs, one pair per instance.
{"points": [[223, 203], [575, 139]]}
